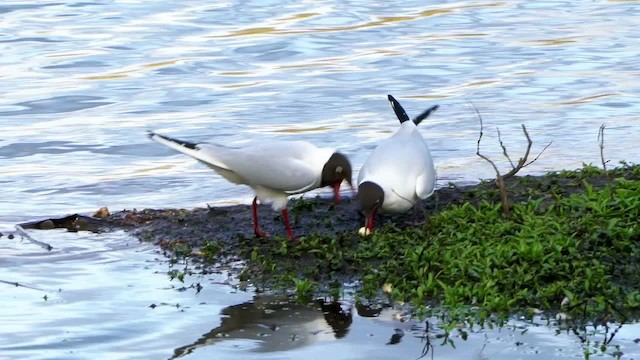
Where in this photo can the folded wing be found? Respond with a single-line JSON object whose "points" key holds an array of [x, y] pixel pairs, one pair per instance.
{"points": [[278, 166]]}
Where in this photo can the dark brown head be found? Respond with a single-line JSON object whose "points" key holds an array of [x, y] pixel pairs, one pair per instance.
{"points": [[370, 197], [336, 170]]}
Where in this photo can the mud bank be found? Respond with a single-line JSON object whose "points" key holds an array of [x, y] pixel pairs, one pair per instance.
{"points": [[461, 252]]}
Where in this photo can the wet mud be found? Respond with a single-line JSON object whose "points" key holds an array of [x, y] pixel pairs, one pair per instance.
{"points": [[230, 227]]}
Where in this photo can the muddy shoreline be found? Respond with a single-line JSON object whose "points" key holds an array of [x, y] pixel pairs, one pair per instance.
{"points": [[524, 262], [232, 224], [183, 233]]}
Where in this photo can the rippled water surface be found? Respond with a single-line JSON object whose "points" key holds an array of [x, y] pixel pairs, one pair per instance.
{"points": [[81, 82]]}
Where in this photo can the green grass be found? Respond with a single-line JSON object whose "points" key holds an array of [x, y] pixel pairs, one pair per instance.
{"points": [[566, 240], [584, 247]]}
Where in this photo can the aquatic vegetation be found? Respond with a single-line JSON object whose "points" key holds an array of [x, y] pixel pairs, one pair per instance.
{"points": [[178, 253], [210, 251], [304, 289]]}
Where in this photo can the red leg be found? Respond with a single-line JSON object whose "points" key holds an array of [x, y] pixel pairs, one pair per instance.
{"points": [[285, 217], [256, 227]]}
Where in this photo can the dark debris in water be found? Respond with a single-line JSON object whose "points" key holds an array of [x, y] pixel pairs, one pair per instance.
{"points": [[73, 222]]}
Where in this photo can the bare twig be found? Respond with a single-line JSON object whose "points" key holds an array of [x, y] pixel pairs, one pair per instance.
{"points": [[504, 149], [540, 153], [480, 139], [17, 284], [604, 163], [481, 125], [506, 210], [32, 240], [522, 162], [601, 139]]}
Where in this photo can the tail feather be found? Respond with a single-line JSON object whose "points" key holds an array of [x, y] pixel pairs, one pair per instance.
{"points": [[425, 114], [202, 152], [402, 114], [398, 109]]}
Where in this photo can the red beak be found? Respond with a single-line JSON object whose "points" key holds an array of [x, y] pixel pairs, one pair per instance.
{"points": [[336, 191], [368, 220]]}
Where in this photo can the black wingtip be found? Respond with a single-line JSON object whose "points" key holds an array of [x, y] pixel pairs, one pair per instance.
{"points": [[186, 144], [397, 108], [425, 114]]}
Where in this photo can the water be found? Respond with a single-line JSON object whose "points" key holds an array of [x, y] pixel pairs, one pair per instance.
{"points": [[81, 82]]}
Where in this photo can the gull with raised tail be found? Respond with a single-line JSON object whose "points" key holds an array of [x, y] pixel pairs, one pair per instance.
{"points": [[273, 169], [398, 172]]}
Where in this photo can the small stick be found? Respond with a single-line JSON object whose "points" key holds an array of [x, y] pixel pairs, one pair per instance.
{"points": [[523, 159], [540, 153], [522, 162], [504, 149], [499, 178], [32, 240], [601, 139], [16, 284]]}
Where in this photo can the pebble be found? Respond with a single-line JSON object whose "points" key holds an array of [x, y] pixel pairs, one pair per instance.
{"points": [[102, 213]]}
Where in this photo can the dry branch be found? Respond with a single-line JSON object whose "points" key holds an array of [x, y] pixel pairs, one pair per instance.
{"points": [[522, 162], [604, 163], [601, 139], [17, 284], [504, 149], [32, 240], [506, 210], [540, 153]]}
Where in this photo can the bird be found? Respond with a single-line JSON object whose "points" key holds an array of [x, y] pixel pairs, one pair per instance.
{"points": [[274, 169], [398, 172]]}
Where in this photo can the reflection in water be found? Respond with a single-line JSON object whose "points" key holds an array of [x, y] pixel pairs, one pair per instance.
{"points": [[396, 337], [278, 324], [368, 311], [337, 317]]}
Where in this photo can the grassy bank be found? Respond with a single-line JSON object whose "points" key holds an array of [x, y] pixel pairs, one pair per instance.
{"points": [[572, 244]]}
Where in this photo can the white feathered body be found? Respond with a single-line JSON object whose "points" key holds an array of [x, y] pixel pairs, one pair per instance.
{"points": [[402, 166], [274, 169]]}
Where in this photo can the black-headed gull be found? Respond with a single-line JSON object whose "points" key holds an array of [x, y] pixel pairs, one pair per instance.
{"points": [[274, 169], [398, 172]]}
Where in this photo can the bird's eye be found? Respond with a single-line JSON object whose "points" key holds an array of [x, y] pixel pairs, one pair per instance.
{"points": [[339, 170]]}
